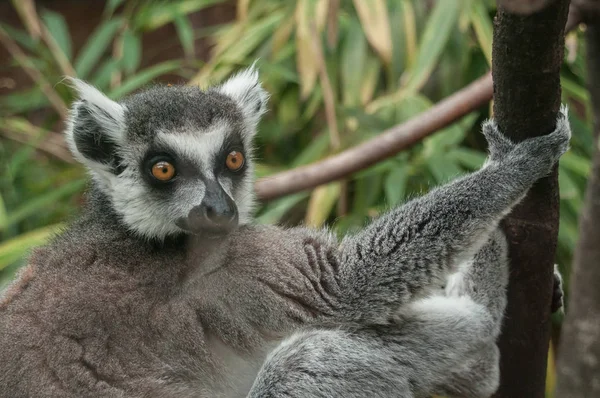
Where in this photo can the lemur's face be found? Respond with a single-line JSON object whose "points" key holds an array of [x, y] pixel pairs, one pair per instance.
{"points": [[172, 159]]}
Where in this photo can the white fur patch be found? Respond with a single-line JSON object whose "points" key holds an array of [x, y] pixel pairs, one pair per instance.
{"points": [[247, 92], [198, 147], [110, 117], [101, 107], [455, 284]]}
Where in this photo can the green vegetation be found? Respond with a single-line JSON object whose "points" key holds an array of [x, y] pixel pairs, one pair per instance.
{"points": [[385, 64]]}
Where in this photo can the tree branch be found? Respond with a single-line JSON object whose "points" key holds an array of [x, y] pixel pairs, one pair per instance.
{"points": [[385, 145], [527, 56]]}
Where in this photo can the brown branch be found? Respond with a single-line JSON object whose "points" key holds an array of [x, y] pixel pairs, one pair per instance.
{"points": [[527, 55], [385, 145]]}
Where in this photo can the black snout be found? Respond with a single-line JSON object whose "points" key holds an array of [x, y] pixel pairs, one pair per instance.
{"points": [[217, 213]]}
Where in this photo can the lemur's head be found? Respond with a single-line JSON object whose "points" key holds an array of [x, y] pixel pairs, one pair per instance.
{"points": [[172, 159]]}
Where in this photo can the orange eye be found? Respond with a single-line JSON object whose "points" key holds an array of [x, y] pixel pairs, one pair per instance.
{"points": [[163, 171], [235, 161]]}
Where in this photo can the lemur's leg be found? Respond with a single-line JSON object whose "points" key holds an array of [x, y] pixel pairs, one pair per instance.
{"points": [[441, 344], [414, 247]]}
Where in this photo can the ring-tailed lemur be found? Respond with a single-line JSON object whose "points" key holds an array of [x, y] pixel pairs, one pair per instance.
{"points": [[165, 288]]}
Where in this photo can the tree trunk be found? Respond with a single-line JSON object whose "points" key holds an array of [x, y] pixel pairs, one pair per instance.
{"points": [[579, 360], [527, 55]]}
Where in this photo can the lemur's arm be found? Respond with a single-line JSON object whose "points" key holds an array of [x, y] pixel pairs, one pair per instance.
{"points": [[417, 245], [443, 344]]}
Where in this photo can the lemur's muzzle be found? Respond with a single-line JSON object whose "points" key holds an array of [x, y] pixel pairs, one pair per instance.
{"points": [[216, 214]]}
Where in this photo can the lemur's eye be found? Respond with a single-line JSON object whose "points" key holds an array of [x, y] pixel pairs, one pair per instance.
{"points": [[163, 170], [235, 161]]}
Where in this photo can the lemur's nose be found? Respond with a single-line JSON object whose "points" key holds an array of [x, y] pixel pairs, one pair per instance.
{"points": [[219, 213], [216, 213]]}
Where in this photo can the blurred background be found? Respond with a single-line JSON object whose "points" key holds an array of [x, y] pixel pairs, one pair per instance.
{"points": [[385, 63]]}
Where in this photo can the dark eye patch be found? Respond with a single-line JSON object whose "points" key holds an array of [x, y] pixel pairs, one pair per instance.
{"points": [[233, 142]]}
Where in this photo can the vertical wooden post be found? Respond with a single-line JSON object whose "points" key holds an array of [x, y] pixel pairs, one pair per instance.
{"points": [[527, 55]]}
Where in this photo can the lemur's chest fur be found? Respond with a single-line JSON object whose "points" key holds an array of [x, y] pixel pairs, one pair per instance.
{"points": [[166, 328]]}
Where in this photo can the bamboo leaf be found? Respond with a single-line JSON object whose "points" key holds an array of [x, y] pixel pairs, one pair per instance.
{"points": [[159, 16], [483, 28], [305, 61], [42, 202], [375, 21], [443, 168], [437, 32], [144, 77], [14, 249], [242, 9], [3, 214], [395, 184], [185, 33], [59, 30], [410, 31], [468, 158], [321, 203], [96, 46], [111, 6], [353, 53], [278, 208], [132, 51]]}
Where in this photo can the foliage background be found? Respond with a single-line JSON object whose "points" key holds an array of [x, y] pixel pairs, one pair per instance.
{"points": [[385, 63]]}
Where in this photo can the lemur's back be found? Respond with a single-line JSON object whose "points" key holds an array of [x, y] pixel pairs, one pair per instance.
{"points": [[88, 318]]}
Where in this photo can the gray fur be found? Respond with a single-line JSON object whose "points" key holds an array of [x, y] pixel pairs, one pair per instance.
{"points": [[103, 311]]}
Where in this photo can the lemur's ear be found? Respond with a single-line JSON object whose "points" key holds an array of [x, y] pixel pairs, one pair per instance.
{"points": [[96, 128], [246, 90]]}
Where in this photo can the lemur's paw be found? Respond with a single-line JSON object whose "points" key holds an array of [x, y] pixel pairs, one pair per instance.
{"points": [[557, 291], [538, 155], [544, 151]]}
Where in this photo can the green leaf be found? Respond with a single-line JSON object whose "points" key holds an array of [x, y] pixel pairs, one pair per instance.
{"points": [[483, 28], [569, 190], [437, 32], [353, 55], [162, 13], [185, 33], [105, 72], [41, 203], [20, 36], [96, 46], [144, 77], [321, 203], [576, 164], [59, 30], [251, 38], [395, 184], [3, 214], [410, 106], [443, 168], [468, 158], [111, 6], [275, 210], [132, 51], [312, 152], [14, 249], [574, 90]]}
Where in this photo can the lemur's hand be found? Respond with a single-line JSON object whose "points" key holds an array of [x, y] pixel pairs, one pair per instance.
{"points": [[537, 153], [557, 291]]}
